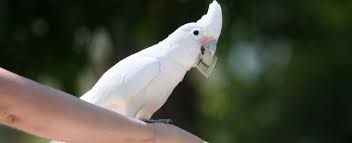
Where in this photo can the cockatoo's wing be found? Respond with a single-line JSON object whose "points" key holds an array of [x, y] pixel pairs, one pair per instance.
{"points": [[127, 78], [122, 82]]}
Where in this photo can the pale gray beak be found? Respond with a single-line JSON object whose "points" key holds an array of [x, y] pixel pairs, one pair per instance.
{"points": [[211, 24]]}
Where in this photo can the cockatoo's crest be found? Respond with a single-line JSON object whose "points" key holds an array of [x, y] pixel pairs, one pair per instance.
{"points": [[212, 21]]}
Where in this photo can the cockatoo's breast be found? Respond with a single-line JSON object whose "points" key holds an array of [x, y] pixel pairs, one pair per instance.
{"points": [[160, 88]]}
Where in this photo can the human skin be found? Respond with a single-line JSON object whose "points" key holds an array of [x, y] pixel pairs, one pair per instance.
{"points": [[52, 114]]}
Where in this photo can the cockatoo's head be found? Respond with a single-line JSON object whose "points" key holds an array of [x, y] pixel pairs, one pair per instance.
{"points": [[196, 42]]}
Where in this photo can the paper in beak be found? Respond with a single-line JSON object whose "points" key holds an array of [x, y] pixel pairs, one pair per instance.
{"points": [[208, 59], [211, 24]]}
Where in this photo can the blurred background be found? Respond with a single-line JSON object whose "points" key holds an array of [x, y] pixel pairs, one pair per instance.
{"points": [[283, 73]]}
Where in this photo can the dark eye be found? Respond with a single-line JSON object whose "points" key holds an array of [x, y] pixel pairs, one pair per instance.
{"points": [[196, 32]]}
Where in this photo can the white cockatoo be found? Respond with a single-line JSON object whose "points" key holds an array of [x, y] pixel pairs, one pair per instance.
{"points": [[140, 84]]}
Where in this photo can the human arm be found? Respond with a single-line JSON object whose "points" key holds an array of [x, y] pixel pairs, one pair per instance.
{"points": [[53, 114]]}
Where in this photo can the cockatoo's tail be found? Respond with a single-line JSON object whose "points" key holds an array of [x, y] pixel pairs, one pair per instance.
{"points": [[211, 23]]}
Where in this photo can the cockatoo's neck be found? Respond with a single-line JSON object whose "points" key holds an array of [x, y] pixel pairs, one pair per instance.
{"points": [[183, 56]]}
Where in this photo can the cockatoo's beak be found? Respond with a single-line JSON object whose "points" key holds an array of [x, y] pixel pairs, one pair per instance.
{"points": [[211, 24]]}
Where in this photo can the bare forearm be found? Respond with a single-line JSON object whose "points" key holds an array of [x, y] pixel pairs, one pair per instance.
{"points": [[52, 114]]}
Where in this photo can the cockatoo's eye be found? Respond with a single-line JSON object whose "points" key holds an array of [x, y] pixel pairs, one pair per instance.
{"points": [[196, 34]]}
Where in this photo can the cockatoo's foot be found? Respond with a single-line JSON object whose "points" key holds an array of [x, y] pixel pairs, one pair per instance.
{"points": [[165, 121]]}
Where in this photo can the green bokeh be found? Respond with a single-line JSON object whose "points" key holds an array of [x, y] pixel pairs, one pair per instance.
{"points": [[283, 73]]}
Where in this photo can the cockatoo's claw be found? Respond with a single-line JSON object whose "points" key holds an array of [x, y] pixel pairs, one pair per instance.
{"points": [[165, 121]]}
